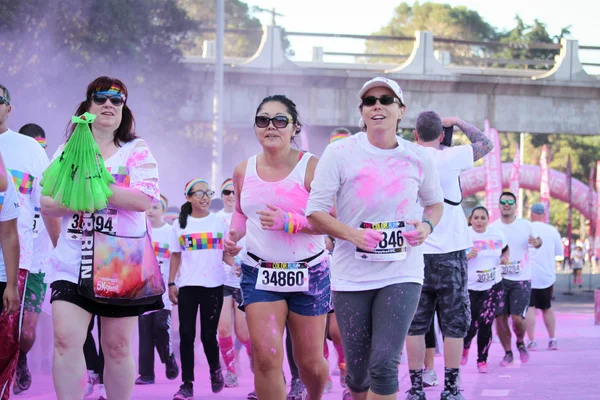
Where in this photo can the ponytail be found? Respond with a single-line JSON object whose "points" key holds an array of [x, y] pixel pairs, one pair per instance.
{"points": [[186, 210]]}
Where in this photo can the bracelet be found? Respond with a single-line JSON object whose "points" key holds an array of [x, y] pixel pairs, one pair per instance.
{"points": [[291, 224], [428, 222], [171, 284]]}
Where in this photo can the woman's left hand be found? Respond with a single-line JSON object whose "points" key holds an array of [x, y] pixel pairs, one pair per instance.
{"points": [[272, 218], [419, 234]]}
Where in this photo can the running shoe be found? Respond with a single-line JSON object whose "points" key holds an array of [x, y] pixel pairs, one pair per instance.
{"points": [[328, 386], [552, 344], [22, 377], [482, 367], [231, 380], [144, 380], [346, 395], [523, 353], [171, 368], [416, 395], [532, 346], [507, 360], [296, 389], [451, 395], [93, 380], [430, 378], [252, 395], [101, 392], [186, 392], [465, 357], [343, 375], [217, 382]]}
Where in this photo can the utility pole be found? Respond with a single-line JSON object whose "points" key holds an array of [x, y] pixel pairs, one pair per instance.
{"points": [[271, 11], [217, 145]]}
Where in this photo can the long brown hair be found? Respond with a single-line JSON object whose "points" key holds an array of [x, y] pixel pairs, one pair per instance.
{"points": [[126, 131]]}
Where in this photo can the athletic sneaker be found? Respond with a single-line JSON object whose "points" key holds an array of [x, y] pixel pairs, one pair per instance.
{"points": [[217, 382], [523, 353], [296, 389], [22, 377], [552, 344], [252, 395], [451, 395], [507, 360], [465, 357], [532, 346], [328, 386], [172, 369], [416, 395], [305, 394], [186, 392], [482, 367], [430, 378], [93, 380], [346, 395], [144, 380], [231, 380], [343, 375], [101, 392]]}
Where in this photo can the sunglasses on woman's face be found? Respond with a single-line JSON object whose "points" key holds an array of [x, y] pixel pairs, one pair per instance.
{"points": [[509, 202], [370, 101], [116, 100], [279, 121], [227, 192]]}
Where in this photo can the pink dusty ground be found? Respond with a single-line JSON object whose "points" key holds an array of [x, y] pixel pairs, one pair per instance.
{"points": [[569, 373]]}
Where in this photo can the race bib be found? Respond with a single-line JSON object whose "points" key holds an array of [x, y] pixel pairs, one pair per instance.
{"points": [[486, 276], [282, 277], [105, 221], [513, 268], [391, 248], [37, 217]]}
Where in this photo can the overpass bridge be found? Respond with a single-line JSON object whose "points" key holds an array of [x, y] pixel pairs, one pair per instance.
{"points": [[564, 99]]}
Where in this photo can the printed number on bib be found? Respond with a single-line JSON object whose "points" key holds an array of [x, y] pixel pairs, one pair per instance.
{"points": [[513, 268], [282, 277], [391, 248], [105, 221], [36, 224], [486, 276]]}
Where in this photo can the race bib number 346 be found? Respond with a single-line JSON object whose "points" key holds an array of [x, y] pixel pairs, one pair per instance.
{"points": [[391, 248], [105, 221], [283, 277]]}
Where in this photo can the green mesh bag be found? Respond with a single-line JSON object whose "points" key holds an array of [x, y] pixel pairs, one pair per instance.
{"points": [[78, 179]]}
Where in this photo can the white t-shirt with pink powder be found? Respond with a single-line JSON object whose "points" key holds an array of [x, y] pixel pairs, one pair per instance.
{"points": [[517, 237], [132, 167], [374, 185]]}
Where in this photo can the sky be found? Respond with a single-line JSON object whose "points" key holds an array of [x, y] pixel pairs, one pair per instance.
{"points": [[362, 17]]}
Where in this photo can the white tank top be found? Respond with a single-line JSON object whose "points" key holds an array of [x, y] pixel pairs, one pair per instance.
{"points": [[290, 195]]}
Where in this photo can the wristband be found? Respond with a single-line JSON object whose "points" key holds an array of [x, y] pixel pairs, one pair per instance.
{"points": [[293, 223], [171, 284], [428, 222]]}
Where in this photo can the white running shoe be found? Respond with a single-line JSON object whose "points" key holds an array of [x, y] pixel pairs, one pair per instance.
{"points": [[93, 380], [430, 378], [101, 392]]}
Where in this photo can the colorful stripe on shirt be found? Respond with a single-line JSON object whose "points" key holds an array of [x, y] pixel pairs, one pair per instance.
{"points": [[23, 181], [1, 201], [487, 244], [121, 176], [161, 250], [202, 241]]}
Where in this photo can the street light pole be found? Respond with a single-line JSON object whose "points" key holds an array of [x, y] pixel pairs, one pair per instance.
{"points": [[217, 145]]}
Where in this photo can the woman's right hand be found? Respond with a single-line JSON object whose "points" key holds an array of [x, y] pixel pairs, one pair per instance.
{"points": [[366, 239], [173, 292], [231, 246]]}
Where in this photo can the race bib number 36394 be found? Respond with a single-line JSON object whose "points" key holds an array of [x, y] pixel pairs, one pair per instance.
{"points": [[391, 248], [283, 277], [105, 221]]}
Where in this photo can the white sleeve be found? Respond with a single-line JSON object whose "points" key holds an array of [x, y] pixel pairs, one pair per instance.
{"points": [[430, 191], [174, 245], [462, 157], [9, 202], [326, 182]]}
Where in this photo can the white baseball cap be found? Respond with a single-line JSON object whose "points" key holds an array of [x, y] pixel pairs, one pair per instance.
{"points": [[385, 82]]}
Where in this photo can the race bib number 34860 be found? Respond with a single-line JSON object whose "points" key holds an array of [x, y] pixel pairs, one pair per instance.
{"points": [[391, 248], [283, 277]]}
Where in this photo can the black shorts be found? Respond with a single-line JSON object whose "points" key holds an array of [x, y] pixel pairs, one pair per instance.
{"points": [[445, 290], [542, 298], [235, 292], [67, 291], [515, 299]]}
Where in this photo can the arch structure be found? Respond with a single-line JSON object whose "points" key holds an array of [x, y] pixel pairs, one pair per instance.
{"points": [[473, 181]]}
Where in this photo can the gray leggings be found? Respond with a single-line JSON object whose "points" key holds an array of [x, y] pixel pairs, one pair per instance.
{"points": [[374, 324]]}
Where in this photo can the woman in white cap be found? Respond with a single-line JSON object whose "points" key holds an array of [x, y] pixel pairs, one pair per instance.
{"points": [[376, 179]]}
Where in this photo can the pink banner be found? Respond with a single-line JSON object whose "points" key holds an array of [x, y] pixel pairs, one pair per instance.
{"points": [[513, 182], [544, 185], [492, 164], [597, 244]]}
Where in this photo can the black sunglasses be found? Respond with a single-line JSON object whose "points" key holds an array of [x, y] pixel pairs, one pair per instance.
{"points": [[116, 100], [509, 202], [227, 192], [370, 101], [279, 121], [3, 100]]}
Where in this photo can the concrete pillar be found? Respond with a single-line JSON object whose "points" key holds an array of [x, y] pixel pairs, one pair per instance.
{"points": [[270, 54], [567, 67], [422, 60], [317, 54]]}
